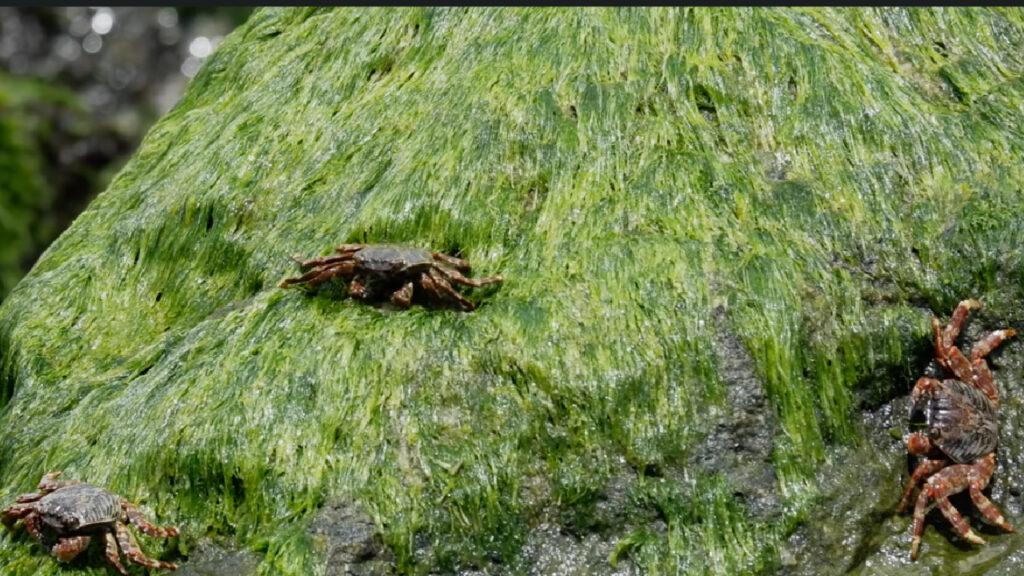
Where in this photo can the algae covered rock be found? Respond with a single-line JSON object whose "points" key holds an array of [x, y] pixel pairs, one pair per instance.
{"points": [[701, 215]]}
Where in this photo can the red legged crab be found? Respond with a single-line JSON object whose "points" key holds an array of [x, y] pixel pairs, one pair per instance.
{"points": [[960, 421], [64, 517], [391, 270]]}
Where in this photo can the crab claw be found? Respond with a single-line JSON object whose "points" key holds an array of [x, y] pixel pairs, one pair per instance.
{"points": [[917, 443]]}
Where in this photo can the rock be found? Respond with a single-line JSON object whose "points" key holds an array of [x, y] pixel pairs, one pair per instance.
{"points": [[550, 552], [741, 440], [628, 173], [859, 532], [211, 559], [858, 502], [350, 543]]}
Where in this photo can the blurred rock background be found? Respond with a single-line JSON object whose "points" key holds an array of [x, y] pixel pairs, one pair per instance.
{"points": [[79, 87]]}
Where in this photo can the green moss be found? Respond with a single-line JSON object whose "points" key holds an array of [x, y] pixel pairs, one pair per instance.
{"points": [[824, 175]]}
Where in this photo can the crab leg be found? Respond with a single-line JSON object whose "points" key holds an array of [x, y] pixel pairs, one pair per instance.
{"points": [[356, 289], [349, 248], [982, 375], [981, 474], [458, 263], [959, 364], [924, 469], [982, 379], [958, 522], [32, 526], [68, 547], [990, 343], [403, 296], [920, 510], [989, 510], [315, 262], [432, 280], [320, 275], [13, 513], [135, 517], [956, 321], [301, 279], [113, 554], [344, 252], [458, 278], [428, 285], [131, 549], [938, 488], [342, 269]]}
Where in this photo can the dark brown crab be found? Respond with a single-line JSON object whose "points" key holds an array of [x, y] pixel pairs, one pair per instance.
{"points": [[73, 513], [960, 417], [393, 270]]}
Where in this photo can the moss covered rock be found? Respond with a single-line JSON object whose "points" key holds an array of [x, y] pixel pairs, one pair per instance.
{"points": [[724, 233]]}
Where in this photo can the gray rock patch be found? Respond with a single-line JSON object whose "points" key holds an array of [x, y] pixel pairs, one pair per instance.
{"points": [[739, 444], [211, 559], [350, 542]]}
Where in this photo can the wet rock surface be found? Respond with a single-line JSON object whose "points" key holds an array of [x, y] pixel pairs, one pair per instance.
{"points": [[855, 529], [550, 551], [741, 439], [214, 559], [349, 542], [857, 500]]}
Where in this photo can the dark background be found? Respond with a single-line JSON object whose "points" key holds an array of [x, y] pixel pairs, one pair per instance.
{"points": [[79, 87]]}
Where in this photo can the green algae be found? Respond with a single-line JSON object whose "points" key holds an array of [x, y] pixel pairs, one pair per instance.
{"points": [[826, 176]]}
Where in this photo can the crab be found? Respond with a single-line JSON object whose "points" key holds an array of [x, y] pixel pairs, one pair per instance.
{"points": [[393, 270], [65, 516], [958, 421]]}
